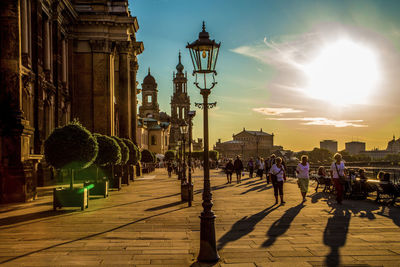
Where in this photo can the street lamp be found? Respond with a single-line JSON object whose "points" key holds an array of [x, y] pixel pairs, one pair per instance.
{"points": [[183, 127], [204, 55], [191, 114], [179, 143]]}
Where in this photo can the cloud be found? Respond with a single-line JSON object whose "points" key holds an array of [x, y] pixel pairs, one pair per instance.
{"points": [[324, 122], [276, 111]]}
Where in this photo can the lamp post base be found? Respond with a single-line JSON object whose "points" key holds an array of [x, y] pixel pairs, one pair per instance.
{"points": [[208, 250]]}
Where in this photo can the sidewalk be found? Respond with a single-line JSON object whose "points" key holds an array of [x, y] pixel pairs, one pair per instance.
{"points": [[145, 224]]}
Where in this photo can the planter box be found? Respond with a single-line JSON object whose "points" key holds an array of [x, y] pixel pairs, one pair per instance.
{"points": [[65, 197], [99, 188], [139, 171], [132, 172], [116, 182], [185, 192], [124, 174]]}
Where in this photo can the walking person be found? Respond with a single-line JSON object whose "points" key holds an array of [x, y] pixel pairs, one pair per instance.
{"points": [[229, 170], [260, 170], [250, 166], [278, 176], [238, 167], [266, 168], [169, 168], [303, 176], [271, 162], [338, 176]]}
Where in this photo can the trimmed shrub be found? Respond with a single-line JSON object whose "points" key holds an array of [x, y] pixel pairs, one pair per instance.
{"points": [[213, 154], [71, 146], [169, 155], [133, 151], [124, 150], [147, 156], [109, 151]]}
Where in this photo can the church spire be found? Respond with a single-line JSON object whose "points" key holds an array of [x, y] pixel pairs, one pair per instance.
{"points": [[149, 70], [179, 67]]}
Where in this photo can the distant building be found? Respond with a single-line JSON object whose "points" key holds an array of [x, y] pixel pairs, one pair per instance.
{"points": [[247, 144], [375, 154], [153, 128], [394, 145], [198, 144], [180, 104], [330, 145], [355, 147]]}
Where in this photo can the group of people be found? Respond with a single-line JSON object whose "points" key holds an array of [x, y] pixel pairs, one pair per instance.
{"points": [[275, 171], [273, 168]]}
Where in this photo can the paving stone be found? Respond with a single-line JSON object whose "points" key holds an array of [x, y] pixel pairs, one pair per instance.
{"points": [[145, 224]]}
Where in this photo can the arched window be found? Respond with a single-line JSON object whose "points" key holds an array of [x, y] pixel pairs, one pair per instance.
{"points": [[149, 99]]}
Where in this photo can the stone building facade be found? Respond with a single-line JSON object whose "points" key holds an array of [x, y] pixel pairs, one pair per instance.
{"points": [[153, 131], [247, 144], [180, 104], [61, 59]]}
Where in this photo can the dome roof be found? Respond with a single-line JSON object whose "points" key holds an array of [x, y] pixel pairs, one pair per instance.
{"points": [[149, 79], [179, 67]]}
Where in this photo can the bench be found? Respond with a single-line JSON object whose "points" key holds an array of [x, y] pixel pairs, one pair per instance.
{"points": [[326, 182], [387, 191]]}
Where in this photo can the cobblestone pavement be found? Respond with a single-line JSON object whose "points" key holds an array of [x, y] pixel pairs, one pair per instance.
{"points": [[145, 224]]}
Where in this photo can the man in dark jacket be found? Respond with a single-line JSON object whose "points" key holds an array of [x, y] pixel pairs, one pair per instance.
{"points": [[238, 167]]}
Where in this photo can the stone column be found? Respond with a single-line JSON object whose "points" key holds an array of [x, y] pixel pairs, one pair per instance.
{"points": [[124, 90], [134, 123], [46, 44], [16, 182], [102, 102], [24, 27], [64, 60]]}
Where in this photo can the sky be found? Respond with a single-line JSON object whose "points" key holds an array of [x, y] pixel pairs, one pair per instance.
{"points": [[304, 70]]}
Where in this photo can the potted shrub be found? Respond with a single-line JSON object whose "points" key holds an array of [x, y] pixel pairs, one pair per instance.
{"points": [[169, 155], [147, 159], [71, 147], [133, 158], [109, 154], [119, 168]]}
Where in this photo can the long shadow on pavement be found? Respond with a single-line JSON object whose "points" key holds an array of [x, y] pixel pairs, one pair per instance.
{"points": [[165, 206], [280, 226], [258, 188], [337, 227], [88, 236], [244, 226], [32, 216]]}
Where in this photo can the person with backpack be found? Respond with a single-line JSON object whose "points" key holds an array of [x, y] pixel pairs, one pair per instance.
{"points": [[238, 167], [278, 176]]}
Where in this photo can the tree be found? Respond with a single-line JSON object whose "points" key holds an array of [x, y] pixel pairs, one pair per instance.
{"points": [[124, 150], [71, 147], [170, 155], [109, 151], [133, 151], [320, 156], [147, 156]]}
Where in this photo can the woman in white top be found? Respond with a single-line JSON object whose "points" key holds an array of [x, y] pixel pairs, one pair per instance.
{"points": [[338, 170], [278, 175], [303, 176]]}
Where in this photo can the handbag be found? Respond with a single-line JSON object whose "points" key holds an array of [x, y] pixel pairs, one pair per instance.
{"points": [[274, 177], [342, 179]]}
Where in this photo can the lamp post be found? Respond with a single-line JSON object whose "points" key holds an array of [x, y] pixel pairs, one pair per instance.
{"points": [[180, 160], [191, 114], [204, 55], [184, 129]]}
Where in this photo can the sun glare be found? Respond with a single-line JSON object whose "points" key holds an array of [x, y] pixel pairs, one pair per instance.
{"points": [[344, 73]]}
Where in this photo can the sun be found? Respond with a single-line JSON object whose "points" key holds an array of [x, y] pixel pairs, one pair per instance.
{"points": [[344, 73]]}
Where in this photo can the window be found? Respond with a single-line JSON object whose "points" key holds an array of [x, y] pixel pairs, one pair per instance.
{"points": [[153, 140], [149, 99]]}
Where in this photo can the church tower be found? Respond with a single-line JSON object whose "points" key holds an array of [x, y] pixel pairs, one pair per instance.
{"points": [[180, 103], [149, 107]]}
